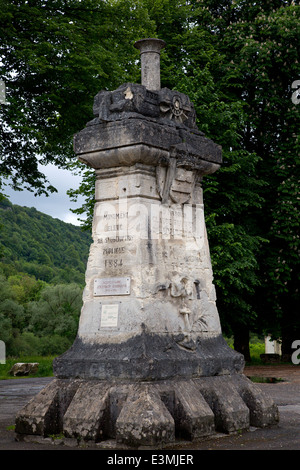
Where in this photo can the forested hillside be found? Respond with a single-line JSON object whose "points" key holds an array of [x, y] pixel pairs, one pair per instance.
{"points": [[42, 266], [47, 248]]}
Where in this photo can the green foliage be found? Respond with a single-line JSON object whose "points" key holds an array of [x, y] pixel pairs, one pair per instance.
{"points": [[56, 312], [231, 194], [54, 57], [25, 288], [237, 61], [37, 317], [11, 313], [262, 49], [42, 247], [86, 189], [256, 349], [44, 326]]}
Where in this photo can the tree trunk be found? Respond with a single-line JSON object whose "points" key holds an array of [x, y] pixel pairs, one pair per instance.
{"points": [[241, 341]]}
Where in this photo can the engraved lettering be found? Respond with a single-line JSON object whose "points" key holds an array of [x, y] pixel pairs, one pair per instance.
{"points": [[118, 215], [114, 251], [121, 238], [113, 228], [113, 263]]}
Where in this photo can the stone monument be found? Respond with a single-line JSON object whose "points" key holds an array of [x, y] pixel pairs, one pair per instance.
{"points": [[149, 362]]}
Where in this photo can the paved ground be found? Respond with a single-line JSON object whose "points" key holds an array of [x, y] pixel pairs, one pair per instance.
{"points": [[15, 393]]}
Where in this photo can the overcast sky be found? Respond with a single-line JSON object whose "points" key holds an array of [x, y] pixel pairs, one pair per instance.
{"points": [[58, 204]]}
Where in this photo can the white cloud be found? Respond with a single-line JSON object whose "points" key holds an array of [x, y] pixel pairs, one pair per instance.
{"points": [[70, 218], [56, 205]]}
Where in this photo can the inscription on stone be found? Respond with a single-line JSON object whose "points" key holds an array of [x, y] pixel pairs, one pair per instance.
{"points": [[109, 316], [112, 286]]}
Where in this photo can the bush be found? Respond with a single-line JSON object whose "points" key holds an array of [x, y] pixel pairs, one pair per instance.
{"points": [[56, 312], [28, 344], [55, 344], [256, 349], [256, 346], [23, 344]]}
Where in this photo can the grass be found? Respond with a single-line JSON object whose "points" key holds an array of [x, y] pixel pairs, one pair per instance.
{"points": [[44, 370], [265, 380], [256, 349]]}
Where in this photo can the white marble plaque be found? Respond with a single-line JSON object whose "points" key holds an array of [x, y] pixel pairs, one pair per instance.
{"points": [[109, 316], [112, 286]]}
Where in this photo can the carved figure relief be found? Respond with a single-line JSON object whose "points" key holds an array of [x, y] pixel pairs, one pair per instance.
{"points": [[185, 291]]}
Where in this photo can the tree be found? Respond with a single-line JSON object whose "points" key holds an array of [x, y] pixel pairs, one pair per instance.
{"points": [[254, 61], [87, 190], [57, 312], [11, 313], [25, 288], [45, 248], [260, 43], [230, 196], [54, 57]]}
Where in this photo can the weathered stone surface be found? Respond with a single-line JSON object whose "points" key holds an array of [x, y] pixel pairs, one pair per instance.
{"points": [[135, 125], [167, 324], [86, 415], [2, 352], [150, 61], [146, 413], [24, 368], [193, 416], [166, 107], [148, 357], [44, 413], [221, 393], [144, 419], [263, 411], [102, 145]]}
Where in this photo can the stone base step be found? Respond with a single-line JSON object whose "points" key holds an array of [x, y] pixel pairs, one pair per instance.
{"points": [[145, 413]]}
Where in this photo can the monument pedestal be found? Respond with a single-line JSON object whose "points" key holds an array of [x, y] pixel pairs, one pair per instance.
{"points": [[149, 362], [146, 413]]}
